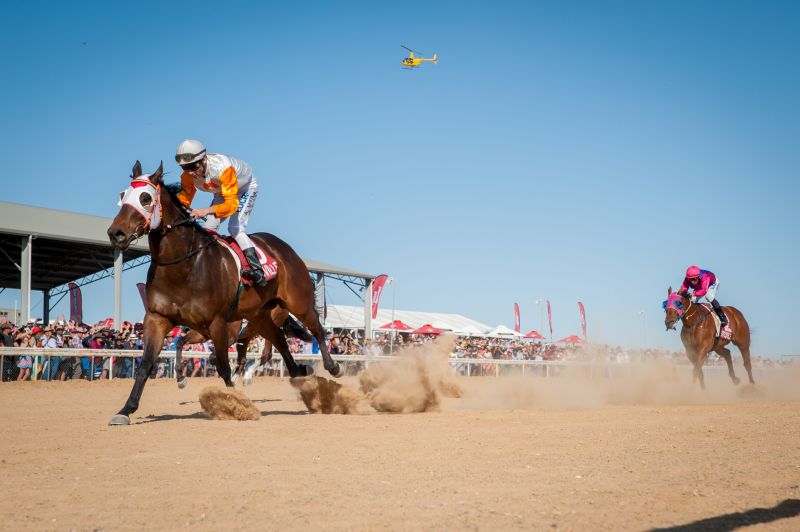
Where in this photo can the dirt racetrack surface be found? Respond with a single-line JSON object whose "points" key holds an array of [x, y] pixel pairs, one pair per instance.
{"points": [[506, 455]]}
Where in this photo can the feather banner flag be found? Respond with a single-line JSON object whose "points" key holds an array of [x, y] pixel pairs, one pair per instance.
{"points": [[583, 318], [516, 317], [377, 289], [75, 303], [550, 318], [143, 294]]}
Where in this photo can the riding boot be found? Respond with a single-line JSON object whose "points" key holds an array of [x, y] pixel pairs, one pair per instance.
{"points": [[255, 274], [723, 319]]}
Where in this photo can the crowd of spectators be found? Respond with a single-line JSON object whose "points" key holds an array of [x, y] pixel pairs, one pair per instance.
{"points": [[62, 334]]}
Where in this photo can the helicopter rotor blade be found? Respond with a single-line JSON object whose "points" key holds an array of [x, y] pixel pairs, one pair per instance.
{"points": [[406, 47]]}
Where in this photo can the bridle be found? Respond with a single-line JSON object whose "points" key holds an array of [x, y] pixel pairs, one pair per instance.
{"points": [[163, 229]]}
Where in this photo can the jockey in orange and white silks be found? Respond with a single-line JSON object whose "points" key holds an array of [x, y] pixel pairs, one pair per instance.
{"points": [[235, 189], [703, 283]]}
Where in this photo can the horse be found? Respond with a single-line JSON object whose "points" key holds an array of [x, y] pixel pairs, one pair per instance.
{"points": [[699, 335], [194, 281]]}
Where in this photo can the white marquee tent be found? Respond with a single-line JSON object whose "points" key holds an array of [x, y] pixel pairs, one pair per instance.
{"points": [[350, 317]]}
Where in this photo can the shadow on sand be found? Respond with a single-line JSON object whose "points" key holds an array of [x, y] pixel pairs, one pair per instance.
{"points": [[202, 415], [754, 516]]}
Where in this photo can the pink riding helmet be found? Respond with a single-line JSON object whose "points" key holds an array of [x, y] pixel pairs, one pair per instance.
{"points": [[692, 271]]}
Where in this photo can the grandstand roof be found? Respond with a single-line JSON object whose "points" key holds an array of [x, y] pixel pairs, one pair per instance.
{"points": [[69, 246], [350, 317]]}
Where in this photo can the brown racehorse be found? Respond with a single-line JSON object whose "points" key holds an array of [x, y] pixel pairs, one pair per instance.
{"points": [[699, 335], [193, 280]]}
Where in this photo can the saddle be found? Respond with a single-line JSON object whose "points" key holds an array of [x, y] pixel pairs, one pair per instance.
{"points": [[268, 263], [722, 333]]}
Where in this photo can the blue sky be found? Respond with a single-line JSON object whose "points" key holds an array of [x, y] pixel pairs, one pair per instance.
{"points": [[564, 150]]}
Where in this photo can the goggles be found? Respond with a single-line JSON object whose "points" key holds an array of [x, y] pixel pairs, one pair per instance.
{"points": [[186, 158]]}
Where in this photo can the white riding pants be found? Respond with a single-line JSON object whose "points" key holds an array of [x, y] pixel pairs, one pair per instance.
{"points": [[711, 293], [237, 222]]}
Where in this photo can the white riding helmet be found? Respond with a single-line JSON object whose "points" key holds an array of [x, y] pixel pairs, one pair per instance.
{"points": [[189, 151]]}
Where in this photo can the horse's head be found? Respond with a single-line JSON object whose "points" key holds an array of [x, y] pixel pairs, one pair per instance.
{"points": [[674, 307], [140, 210]]}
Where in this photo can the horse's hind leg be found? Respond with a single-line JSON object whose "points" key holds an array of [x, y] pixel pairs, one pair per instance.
{"points": [[275, 336], [311, 319], [745, 350], [725, 353]]}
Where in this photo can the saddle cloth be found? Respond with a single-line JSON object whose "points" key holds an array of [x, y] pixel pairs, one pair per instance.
{"points": [[268, 263], [724, 334]]}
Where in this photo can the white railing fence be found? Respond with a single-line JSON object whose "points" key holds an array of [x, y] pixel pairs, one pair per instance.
{"points": [[123, 363]]}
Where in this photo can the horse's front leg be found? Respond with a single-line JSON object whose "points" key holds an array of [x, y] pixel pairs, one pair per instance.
{"points": [[219, 335], [155, 329], [190, 338]]}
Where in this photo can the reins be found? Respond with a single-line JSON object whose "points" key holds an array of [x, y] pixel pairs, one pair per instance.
{"points": [[192, 252], [686, 323]]}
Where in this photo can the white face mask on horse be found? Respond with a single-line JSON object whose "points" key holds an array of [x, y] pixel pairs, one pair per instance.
{"points": [[143, 196]]}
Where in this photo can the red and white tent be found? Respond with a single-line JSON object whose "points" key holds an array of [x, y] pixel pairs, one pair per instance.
{"points": [[396, 325], [427, 329], [534, 334], [571, 340]]}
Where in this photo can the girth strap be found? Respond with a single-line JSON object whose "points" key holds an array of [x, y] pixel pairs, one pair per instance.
{"points": [[235, 302]]}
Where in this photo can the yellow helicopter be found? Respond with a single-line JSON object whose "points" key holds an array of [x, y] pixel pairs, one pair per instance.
{"points": [[413, 62]]}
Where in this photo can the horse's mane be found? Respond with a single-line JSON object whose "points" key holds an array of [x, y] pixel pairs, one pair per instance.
{"points": [[173, 189]]}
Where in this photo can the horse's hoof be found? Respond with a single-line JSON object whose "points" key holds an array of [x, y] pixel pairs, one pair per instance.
{"points": [[305, 370], [235, 378], [247, 380], [120, 419], [735, 380], [338, 370], [182, 383]]}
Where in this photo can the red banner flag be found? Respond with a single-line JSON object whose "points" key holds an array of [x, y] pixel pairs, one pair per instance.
{"points": [[516, 317], [377, 289], [75, 303], [550, 318], [143, 294], [583, 318]]}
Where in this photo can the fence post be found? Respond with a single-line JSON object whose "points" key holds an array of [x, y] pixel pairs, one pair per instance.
{"points": [[111, 367]]}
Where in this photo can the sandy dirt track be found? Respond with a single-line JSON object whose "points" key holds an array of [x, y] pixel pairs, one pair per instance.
{"points": [[476, 464]]}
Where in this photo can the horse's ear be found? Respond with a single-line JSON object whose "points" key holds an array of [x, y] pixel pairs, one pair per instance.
{"points": [[159, 174], [137, 170], [669, 291]]}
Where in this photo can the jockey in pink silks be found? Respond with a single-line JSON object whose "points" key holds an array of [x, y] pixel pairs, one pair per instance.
{"points": [[703, 283]]}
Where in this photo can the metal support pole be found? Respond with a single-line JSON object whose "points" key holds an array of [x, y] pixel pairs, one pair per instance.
{"points": [[46, 306], [25, 277], [368, 311], [117, 289]]}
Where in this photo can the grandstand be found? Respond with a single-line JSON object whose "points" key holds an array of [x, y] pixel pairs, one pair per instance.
{"points": [[45, 249]]}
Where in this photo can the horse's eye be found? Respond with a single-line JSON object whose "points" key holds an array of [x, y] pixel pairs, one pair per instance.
{"points": [[679, 304], [146, 199]]}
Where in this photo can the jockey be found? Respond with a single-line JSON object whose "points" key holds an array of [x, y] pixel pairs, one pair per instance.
{"points": [[235, 189], [703, 283]]}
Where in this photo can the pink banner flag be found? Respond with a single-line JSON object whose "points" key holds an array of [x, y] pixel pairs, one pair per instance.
{"points": [[516, 317], [377, 289], [143, 294], [583, 318], [550, 318], [75, 303]]}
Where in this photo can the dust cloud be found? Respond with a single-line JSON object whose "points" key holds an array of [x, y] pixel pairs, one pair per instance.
{"points": [[650, 383], [422, 378], [416, 382], [228, 405]]}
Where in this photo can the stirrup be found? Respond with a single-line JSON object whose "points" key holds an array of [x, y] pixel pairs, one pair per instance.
{"points": [[255, 276]]}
